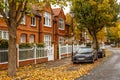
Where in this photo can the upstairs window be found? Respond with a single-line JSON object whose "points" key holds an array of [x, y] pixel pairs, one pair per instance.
{"points": [[6, 10], [23, 20], [33, 21], [47, 19], [61, 24], [40, 0]]}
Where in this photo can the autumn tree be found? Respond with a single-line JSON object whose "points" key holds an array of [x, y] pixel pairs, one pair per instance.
{"points": [[95, 14], [113, 34], [77, 30], [15, 10], [101, 35]]}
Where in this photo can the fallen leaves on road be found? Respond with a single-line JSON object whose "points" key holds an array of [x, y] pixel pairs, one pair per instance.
{"points": [[41, 72]]}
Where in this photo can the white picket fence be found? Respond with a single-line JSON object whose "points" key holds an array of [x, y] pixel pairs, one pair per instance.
{"points": [[25, 54], [67, 49]]}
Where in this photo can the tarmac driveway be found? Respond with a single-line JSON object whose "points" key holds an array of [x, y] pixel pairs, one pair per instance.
{"points": [[108, 70]]}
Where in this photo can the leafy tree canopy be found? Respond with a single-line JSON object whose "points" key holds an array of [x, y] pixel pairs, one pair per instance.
{"points": [[95, 14]]}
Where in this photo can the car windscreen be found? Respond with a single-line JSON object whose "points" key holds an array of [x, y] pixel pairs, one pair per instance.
{"points": [[84, 50]]}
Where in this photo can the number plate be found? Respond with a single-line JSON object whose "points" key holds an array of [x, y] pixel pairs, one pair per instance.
{"points": [[80, 58]]}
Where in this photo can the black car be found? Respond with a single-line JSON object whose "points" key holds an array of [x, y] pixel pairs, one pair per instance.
{"points": [[101, 53], [85, 55]]}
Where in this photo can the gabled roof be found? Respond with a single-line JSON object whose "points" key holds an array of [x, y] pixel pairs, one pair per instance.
{"points": [[56, 11]]}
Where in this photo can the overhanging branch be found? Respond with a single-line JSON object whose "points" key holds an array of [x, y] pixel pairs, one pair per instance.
{"points": [[21, 13], [4, 16]]}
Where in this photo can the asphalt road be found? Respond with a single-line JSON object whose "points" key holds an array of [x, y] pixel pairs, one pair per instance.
{"points": [[108, 70]]}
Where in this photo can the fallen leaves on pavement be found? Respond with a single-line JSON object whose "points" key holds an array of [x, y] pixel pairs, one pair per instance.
{"points": [[42, 72]]}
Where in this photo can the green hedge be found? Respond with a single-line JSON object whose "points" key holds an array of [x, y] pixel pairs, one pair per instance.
{"points": [[40, 45], [3, 43], [25, 45], [30, 45]]}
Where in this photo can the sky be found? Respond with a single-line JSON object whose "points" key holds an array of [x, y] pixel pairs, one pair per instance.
{"points": [[118, 0], [66, 9]]}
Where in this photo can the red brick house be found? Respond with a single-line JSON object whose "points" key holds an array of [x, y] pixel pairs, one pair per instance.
{"points": [[47, 27], [61, 30]]}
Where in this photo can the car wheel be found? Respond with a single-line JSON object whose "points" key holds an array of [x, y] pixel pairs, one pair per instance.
{"points": [[104, 55], [96, 57], [93, 60], [74, 62]]}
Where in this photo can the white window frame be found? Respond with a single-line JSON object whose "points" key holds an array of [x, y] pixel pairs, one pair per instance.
{"points": [[0, 34], [5, 10], [1, 15], [4, 34], [61, 40], [32, 38], [23, 20], [40, 0], [47, 40], [61, 24], [33, 21], [47, 19], [23, 38]]}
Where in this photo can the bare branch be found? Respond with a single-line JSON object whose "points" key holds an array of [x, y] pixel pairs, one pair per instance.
{"points": [[21, 13], [2, 12], [99, 29], [19, 9]]}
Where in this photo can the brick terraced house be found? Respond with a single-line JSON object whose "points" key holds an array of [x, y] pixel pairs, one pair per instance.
{"points": [[48, 27]]}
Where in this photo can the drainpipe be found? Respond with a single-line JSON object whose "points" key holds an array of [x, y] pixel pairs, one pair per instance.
{"points": [[37, 12], [39, 20], [54, 22]]}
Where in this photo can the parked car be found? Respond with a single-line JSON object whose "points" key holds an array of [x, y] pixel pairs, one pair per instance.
{"points": [[85, 55], [101, 50], [112, 45], [101, 53]]}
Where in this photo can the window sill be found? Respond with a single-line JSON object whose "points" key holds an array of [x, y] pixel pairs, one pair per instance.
{"points": [[33, 25], [61, 29], [23, 24], [47, 26]]}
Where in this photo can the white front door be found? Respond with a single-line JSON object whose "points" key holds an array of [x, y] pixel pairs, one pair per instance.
{"points": [[50, 53]]}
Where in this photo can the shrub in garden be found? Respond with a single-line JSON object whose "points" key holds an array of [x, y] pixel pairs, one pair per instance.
{"points": [[40, 45], [25, 45], [88, 44], [3, 44]]}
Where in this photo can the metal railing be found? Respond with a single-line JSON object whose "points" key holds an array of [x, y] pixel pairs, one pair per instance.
{"points": [[3, 56], [24, 54], [67, 49]]}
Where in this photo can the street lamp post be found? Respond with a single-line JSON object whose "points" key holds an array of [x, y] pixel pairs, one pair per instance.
{"points": [[72, 15], [85, 36]]}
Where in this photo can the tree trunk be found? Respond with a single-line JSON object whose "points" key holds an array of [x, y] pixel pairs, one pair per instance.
{"points": [[12, 50], [95, 41]]}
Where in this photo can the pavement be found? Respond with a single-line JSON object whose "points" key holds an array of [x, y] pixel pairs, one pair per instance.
{"points": [[59, 63]]}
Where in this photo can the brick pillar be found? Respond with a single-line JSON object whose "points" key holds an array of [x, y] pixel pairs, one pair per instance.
{"points": [[17, 55], [55, 51]]}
